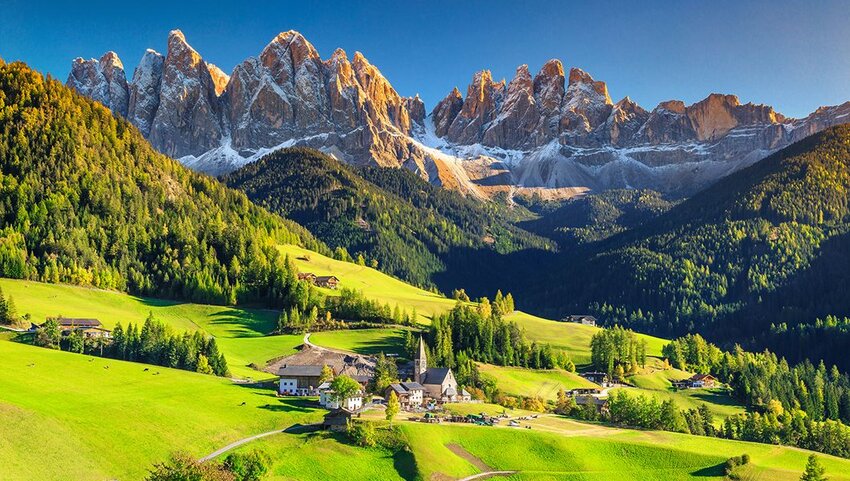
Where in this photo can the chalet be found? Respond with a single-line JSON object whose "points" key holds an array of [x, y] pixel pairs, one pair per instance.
{"points": [[596, 377], [337, 420], [327, 399], [439, 383], [73, 323], [96, 332], [696, 381], [584, 391], [298, 380], [410, 394], [307, 276], [90, 328], [598, 402], [330, 282], [583, 319]]}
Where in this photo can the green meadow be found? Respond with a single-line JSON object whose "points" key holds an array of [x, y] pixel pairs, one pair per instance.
{"points": [[362, 341], [656, 383], [72, 416], [117, 418], [527, 382], [240, 332], [557, 448]]}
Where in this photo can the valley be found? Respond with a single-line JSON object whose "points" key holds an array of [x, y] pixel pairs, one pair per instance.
{"points": [[281, 267]]}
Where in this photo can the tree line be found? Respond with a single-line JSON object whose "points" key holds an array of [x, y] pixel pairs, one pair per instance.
{"points": [[480, 333], [152, 343], [617, 351]]}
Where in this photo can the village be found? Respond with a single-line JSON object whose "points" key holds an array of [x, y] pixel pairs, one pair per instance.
{"points": [[424, 394]]}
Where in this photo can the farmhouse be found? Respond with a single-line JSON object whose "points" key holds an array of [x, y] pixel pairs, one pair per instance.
{"points": [[327, 399], [410, 394], [307, 276], [300, 372], [696, 381], [596, 377], [583, 319], [298, 380], [90, 328], [331, 282], [439, 383]]}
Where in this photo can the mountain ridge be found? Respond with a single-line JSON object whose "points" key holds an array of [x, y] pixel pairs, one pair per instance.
{"points": [[557, 131]]}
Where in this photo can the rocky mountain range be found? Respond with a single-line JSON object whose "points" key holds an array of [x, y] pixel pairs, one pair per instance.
{"points": [[554, 134]]}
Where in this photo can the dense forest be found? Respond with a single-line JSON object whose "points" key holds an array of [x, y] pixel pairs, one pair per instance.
{"points": [[593, 217], [411, 229], [85, 200], [756, 259]]}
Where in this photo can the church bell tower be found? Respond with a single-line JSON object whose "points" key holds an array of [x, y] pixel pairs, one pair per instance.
{"points": [[420, 363]]}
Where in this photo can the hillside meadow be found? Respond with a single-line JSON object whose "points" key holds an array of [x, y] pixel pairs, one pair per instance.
{"points": [[240, 332], [117, 418], [557, 448]]}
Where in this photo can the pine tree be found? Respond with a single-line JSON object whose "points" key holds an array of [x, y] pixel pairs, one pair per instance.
{"points": [[4, 309], [814, 470], [204, 365]]}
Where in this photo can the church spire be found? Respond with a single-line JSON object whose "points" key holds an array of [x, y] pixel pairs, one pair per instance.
{"points": [[420, 363]]}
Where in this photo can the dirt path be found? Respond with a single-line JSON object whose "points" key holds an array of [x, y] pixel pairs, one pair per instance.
{"points": [[487, 475], [236, 444], [458, 449]]}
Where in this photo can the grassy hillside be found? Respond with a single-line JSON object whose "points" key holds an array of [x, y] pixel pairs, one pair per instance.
{"points": [[560, 449], [655, 382], [362, 341], [116, 410], [240, 332], [572, 338], [70, 416], [374, 284], [527, 382]]}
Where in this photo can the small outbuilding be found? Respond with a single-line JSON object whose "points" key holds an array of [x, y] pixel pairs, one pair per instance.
{"points": [[337, 419]]}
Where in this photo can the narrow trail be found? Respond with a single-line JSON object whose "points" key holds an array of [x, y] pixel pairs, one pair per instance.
{"points": [[238, 443], [486, 471], [488, 474]]}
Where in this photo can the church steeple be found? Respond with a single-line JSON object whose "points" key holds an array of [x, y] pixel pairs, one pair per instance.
{"points": [[420, 363]]}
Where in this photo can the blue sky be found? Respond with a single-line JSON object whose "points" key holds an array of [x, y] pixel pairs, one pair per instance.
{"points": [[794, 55]]}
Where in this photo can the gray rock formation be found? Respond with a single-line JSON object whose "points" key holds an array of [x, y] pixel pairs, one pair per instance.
{"points": [[552, 133], [103, 80]]}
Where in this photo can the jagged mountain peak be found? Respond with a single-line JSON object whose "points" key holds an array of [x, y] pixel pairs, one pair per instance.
{"points": [[101, 79], [549, 130], [552, 68], [579, 78], [220, 79], [111, 58], [291, 44]]}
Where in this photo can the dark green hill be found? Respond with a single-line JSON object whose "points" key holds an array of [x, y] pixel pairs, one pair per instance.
{"points": [[85, 200], [596, 217], [764, 246], [416, 231]]}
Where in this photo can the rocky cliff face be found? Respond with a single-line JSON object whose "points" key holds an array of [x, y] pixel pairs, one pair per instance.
{"points": [[563, 133], [103, 80], [554, 133]]}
